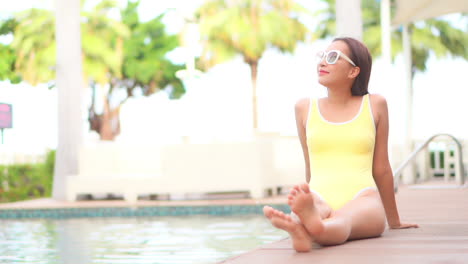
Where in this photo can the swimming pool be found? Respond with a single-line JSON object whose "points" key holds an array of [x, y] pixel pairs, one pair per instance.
{"points": [[193, 239]]}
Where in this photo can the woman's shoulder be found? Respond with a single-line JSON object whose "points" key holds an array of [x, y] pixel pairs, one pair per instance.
{"points": [[378, 100], [379, 107], [302, 104]]}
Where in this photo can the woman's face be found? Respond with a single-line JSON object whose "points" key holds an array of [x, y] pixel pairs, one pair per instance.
{"points": [[340, 71]]}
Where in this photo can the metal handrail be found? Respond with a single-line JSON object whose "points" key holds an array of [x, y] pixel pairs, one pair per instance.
{"points": [[399, 170]]}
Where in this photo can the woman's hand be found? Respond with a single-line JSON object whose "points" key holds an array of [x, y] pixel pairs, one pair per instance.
{"points": [[404, 226]]}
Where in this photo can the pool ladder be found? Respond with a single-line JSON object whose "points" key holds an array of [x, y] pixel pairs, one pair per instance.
{"points": [[459, 168]]}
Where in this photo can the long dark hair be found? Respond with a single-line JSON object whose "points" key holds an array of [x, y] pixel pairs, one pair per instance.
{"points": [[361, 56]]}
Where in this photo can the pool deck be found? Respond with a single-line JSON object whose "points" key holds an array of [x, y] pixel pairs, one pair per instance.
{"points": [[440, 209]]}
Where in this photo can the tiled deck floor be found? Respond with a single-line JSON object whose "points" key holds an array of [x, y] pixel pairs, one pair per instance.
{"points": [[441, 212]]}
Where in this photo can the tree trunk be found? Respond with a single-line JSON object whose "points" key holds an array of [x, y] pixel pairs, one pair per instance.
{"points": [[107, 124], [253, 73], [110, 123]]}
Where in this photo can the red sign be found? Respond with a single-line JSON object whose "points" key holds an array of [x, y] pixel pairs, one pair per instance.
{"points": [[5, 116]]}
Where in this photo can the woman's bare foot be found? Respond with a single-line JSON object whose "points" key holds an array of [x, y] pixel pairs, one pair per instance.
{"points": [[303, 205], [302, 242]]}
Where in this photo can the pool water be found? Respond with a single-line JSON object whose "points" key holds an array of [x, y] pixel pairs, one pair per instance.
{"points": [[158, 240]]}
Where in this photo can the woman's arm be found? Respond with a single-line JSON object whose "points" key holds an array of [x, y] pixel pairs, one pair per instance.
{"points": [[302, 110], [382, 171]]}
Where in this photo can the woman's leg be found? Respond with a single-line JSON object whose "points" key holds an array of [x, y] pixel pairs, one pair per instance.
{"points": [[362, 217], [324, 210], [301, 240], [316, 211]]}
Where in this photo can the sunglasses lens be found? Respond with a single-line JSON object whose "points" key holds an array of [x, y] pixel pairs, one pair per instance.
{"points": [[332, 57]]}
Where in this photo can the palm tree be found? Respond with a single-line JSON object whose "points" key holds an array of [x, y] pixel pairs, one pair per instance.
{"points": [[112, 60], [102, 43], [248, 28], [102, 37], [431, 35], [143, 66], [7, 53], [34, 41]]}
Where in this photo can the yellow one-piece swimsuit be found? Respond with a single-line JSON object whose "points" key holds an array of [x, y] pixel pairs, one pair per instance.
{"points": [[341, 154]]}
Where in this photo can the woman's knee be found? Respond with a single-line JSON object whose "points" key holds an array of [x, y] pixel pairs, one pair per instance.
{"points": [[368, 218], [378, 225]]}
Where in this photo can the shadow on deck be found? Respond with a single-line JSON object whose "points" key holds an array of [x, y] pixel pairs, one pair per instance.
{"points": [[440, 210]]}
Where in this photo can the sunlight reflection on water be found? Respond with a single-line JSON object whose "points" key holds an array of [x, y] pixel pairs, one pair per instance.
{"points": [[185, 239]]}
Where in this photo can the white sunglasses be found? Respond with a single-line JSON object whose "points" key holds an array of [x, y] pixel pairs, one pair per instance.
{"points": [[332, 56]]}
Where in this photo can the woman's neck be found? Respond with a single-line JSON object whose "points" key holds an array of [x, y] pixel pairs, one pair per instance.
{"points": [[339, 96]]}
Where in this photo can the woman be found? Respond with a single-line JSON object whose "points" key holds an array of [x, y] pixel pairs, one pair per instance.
{"points": [[344, 138]]}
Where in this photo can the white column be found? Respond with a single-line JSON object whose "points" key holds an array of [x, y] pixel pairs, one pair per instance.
{"points": [[409, 173], [349, 18], [386, 83], [190, 44], [69, 82], [386, 32]]}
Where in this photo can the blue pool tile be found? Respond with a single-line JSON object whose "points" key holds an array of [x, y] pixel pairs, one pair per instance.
{"points": [[61, 213]]}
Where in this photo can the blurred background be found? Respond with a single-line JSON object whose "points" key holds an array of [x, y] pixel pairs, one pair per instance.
{"points": [[180, 72], [110, 108]]}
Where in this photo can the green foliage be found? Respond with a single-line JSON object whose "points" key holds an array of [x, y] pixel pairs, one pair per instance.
{"points": [[125, 54], [145, 65], [8, 26], [7, 53], [139, 64], [327, 18], [27, 181], [7, 64], [102, 39], [114, 52], [34, 43], [35, 47], [429, 36], [440, 155], [248, 28]]}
